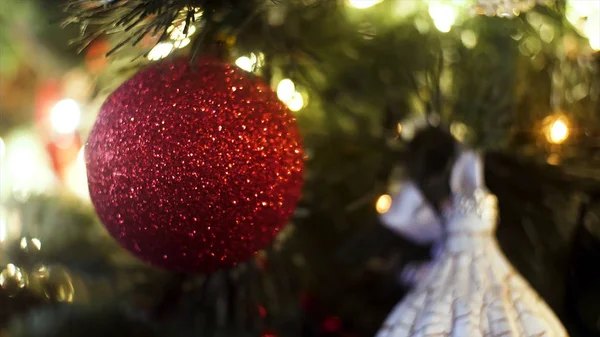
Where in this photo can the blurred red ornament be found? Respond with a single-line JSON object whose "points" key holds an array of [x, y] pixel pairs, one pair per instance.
{"points": [[194, 167], [262, 311], [269, 333], [308, 302], [62, 148], [63, 151], [48, 93], [331, 324]]}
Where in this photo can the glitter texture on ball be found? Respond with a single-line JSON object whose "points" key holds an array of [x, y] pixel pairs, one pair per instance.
{"points": [[194, 167]]}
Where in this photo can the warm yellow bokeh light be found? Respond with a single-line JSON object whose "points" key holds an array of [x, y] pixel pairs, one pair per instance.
{"points": [[361, 4], [177, 33], [443, 16], [296, 102], [585, 16], [286, 89], [250, 63], [383, 204], [34, 241], [468, 38], [197, 12], [459, 130], [181, 43], [559, 132], [160, 51], [12, 274]]}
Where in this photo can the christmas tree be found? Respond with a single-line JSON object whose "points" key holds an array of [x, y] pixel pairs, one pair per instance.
{"points": [[220, 168]]}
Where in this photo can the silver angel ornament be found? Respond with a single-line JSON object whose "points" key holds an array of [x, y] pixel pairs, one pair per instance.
{"points": [[469, 289]]}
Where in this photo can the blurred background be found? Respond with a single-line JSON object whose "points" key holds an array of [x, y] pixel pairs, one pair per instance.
{"points": [[518, 79]]}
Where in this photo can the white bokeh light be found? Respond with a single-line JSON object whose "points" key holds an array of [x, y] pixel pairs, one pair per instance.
{"points": [[25, 167], [2, 148], [245, 63], [65, 116], [443, 16], [361, 4], [585, 16], [76, 177]]}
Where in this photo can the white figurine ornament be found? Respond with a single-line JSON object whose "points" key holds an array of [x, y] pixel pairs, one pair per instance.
{"points": [[469, 289]]}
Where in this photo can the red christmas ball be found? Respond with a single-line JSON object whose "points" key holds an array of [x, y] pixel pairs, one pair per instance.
{"points": [[194, 167]]}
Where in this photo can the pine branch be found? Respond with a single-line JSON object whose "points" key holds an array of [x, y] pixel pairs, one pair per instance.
{"points": [[134, 19]]}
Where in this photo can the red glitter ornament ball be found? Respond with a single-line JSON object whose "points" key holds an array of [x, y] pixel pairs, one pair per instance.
{"points": [[194, 167]]}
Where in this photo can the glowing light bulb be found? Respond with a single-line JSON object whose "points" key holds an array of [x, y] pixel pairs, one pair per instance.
{"points": [[362, 4], [160, 51], [559, 131], [443, 16], [65, 116], [286, 89], [383, 204], [296, 102]]}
